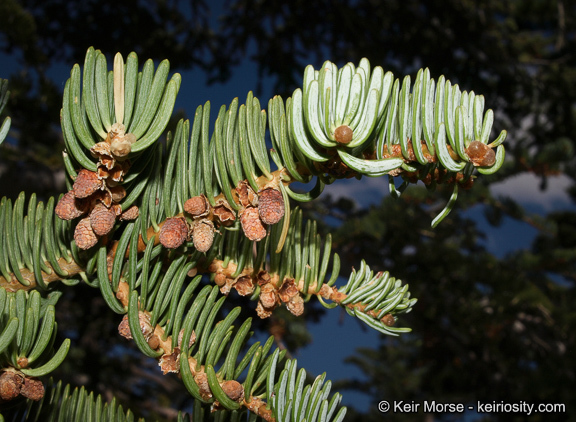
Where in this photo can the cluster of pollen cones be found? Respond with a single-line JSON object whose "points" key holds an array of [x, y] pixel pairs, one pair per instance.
{"points": [[95, 195], [14, 384], [201, 219]]}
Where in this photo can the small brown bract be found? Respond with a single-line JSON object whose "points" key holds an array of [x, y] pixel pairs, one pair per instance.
{"points": [[263, 277], [124, 328], [69, 207], [252, 225], [117, 208], [201, 380], [223, 211], [121, 145], [101, 150], [86, 183], [117, 173], [335, 167], [246, 194], [287, 290], [113, 174], [145, 325], [171, 362], [233, 390], [220, 279], [118, 193], [120, 148], [225, 289], [244, 285], [270, 206], [106, 162], [123, 292], [197, 206], [481, 154], [173, 233], [102, 219], [343, 134], [103, 196], [117, 129], [84, 236], [203, 234], [181, 335], [154, 341]]}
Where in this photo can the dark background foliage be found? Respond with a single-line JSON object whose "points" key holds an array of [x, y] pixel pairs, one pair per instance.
{"points": [[487, 326]]}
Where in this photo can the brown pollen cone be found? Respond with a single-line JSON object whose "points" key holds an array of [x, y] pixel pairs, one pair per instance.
{"points": [[32, 389], [268, 296], [197, 206], [131, 213], [233, 390], [69, 207], [84, 236], [296, 305], [173, 233], [343, 134], [86, 183], [252, 225], [481, 154], [10, 385], [203, 234], [388, 320], [271, 206], [102, 219]]}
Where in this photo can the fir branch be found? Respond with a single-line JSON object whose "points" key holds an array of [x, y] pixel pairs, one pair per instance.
{"points": [[210, 204], [12, 285]]}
